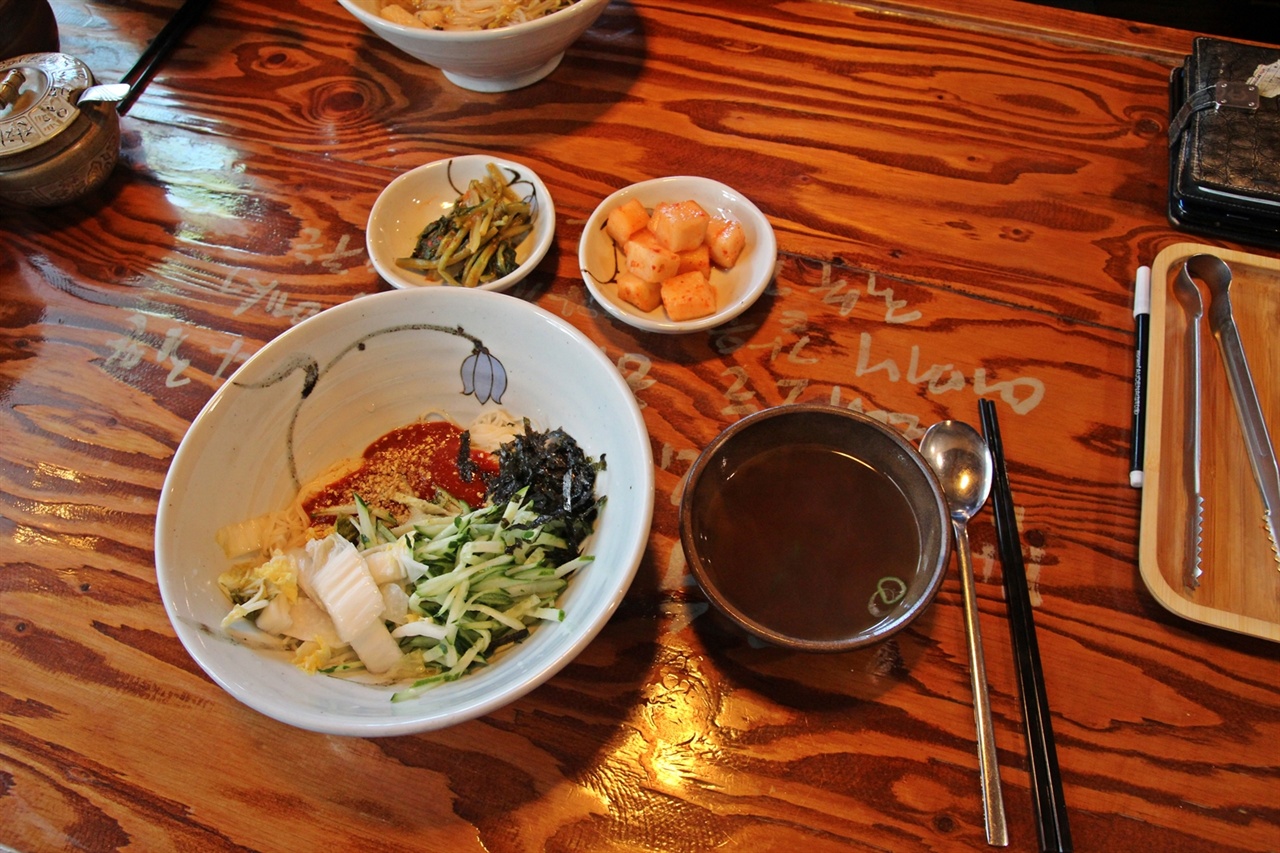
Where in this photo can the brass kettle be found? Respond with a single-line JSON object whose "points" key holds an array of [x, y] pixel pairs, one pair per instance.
{"points": [[58, 140]]}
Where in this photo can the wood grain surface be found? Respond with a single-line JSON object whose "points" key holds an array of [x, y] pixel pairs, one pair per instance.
{"points": [[961, 193]]}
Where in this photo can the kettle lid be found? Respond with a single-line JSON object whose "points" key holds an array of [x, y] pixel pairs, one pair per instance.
{"points": [[38, 94]]}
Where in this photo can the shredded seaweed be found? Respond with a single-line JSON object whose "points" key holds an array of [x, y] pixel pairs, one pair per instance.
{"points": [[468, 468], [559, 476]]}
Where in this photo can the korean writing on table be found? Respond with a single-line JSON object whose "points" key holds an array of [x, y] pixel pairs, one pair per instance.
{"points": [[168, 345], [130, 349]]}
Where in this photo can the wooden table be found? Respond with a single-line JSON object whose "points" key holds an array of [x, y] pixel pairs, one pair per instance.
{"points": [[961, 199]]}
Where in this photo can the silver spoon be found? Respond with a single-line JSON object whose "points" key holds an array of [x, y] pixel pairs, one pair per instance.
{"points": [[960, 457], [103, 93]]}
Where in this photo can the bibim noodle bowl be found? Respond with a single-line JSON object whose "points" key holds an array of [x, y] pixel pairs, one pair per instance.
{"points": [[468, 14]]}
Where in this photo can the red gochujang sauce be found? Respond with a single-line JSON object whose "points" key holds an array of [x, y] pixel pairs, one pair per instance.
{"points": [[418, 458]]}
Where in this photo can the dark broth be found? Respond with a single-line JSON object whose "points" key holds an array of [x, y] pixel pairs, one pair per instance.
{"points": [[800, 537]]}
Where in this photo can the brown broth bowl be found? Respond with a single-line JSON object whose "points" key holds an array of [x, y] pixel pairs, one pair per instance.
{"points": [[800, 545]]}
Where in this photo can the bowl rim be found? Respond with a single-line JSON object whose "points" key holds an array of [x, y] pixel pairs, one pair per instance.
{"points": [[544, 231], [708, 586], [172, 572], [766, 245], [427, 36]]}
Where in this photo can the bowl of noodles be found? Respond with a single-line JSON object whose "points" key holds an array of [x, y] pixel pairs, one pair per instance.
{"points": [[405, 512], [481, 45]]}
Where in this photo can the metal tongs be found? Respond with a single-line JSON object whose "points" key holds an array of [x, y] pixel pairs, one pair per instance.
{"points": [[1188, 296], [1216, 275]]}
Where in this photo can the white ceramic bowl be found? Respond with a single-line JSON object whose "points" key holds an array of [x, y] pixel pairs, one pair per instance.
{"points": [[738, 287], [495, 60], [321, 392], [422, 195]]}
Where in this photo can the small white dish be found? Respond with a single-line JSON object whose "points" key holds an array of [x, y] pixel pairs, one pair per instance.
{"points": [[321, 392], [739, 287], [495, 60], [422, 195]]}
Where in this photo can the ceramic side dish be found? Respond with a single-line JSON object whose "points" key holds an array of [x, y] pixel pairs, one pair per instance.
{"points": [[738, 287], [422, 195]]}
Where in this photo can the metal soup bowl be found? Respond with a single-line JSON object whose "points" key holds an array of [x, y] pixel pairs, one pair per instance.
{"points": [[815, 528]]}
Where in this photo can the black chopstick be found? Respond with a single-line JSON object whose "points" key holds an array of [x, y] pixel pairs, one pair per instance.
{"points": [[169, 36], [1046, 780]]}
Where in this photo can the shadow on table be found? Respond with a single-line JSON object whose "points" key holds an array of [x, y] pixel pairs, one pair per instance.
{"points": [[845, 682]]}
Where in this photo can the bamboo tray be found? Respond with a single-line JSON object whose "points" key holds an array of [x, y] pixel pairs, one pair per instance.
{"points": [[1240, 587]]}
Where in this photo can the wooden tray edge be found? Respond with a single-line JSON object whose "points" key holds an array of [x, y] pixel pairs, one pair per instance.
{"points": [[1149, 568]]}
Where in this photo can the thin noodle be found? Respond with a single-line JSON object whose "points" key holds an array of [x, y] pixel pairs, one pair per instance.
{"points": [[492, 429], [472, 14], [286, 529]]}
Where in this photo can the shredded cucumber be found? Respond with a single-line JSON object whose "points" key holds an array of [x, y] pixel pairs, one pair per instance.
{"points": [[486, 581]]}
